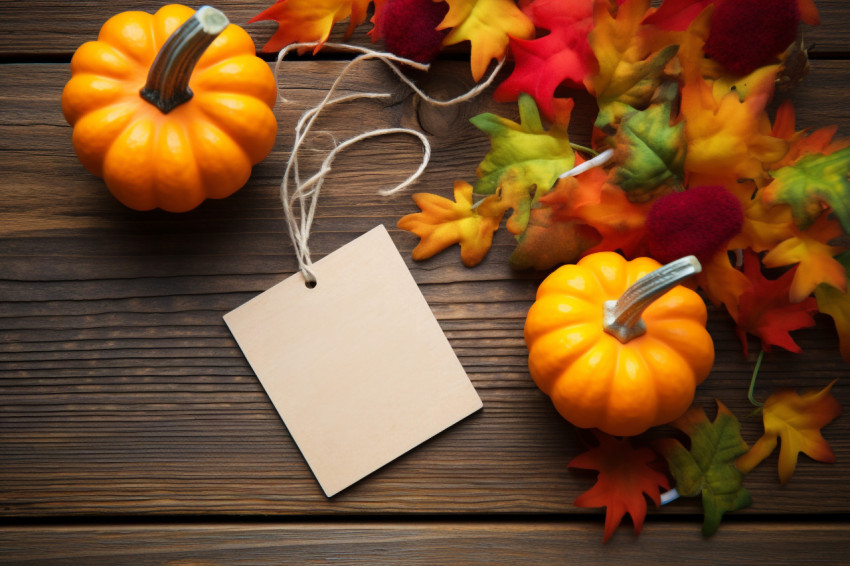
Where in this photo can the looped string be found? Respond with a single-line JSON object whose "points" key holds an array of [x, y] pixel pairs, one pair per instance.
{"points": [[305, 194]]}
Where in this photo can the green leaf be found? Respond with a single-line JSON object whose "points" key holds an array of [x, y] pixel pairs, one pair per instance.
{"points": [[708, 468], [524, 159], [648, 151], [811, 183]]}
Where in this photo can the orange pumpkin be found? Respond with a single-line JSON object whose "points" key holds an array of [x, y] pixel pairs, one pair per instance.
{"points": [[619, 345], [170, 108]]}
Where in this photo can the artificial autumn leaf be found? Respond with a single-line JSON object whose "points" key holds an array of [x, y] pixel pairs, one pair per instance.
{"points": [[812, 184], [676, 15], [836, 304], [764, 226], [629, 72], [810, 250], [524, 160], [561, 56], [547, 242], [722, 283], [797, 421], [443, 223], [625, 476], [802, 143], [708, 468], [648, 151], [311, 20], [590, 200], [766, 311], [487, 25]]}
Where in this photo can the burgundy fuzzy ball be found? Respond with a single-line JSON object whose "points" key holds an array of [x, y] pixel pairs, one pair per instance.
{"points": [[697, 222], [409, 28], [747, 34]]}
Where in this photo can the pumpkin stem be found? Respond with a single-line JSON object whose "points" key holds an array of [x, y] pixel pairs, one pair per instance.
{"points": [[621, 318], [167, 86]]}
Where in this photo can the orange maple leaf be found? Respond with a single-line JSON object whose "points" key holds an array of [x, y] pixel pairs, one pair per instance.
{"points": [[443, 223], [625, 475], [816, 258], [797, 421], [488, 25], [311, 20], [722, 283]]}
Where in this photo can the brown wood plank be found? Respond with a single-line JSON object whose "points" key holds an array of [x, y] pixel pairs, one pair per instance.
{"points": [[414, 543], [122, 393], [50, 28]]}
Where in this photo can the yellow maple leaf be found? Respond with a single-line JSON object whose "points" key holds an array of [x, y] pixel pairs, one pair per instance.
{"points": [[487, 25], [443, 222], [797, 421], [817, 260]]}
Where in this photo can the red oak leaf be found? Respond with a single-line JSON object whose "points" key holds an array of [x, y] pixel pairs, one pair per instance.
{"points": [[625, 475], [766, 311], [561, 56]]}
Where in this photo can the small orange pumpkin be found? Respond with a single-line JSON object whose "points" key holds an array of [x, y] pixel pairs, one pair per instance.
{"points": [[619, 345], [170, 108]]}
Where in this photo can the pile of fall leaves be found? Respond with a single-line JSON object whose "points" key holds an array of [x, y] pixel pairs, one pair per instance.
{"points": [[696, 167]]}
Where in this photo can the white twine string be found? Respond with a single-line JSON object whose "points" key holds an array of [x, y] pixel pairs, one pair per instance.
{"points": [[305, 195]]}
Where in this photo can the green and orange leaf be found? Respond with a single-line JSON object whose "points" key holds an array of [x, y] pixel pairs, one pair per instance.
{"points": [[524, 159], [626, 477], [797, 421], [836, 303], [443, 223], [488, 25]]}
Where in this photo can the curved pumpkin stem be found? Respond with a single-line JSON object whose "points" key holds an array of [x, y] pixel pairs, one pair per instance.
{"points": [[167, 86], [621, 318]]}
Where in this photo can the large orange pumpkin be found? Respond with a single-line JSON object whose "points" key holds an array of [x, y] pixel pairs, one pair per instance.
{"points": [[170, 108], [617, 344]]}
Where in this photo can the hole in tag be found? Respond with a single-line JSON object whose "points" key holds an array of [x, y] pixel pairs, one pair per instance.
{"points": [[311, 284]]}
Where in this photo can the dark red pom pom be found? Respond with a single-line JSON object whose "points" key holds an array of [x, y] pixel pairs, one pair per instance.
{"points": [[409, 28], [697, 222], [747, 34]]}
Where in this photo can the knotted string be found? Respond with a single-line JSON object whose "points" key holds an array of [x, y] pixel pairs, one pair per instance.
{"points": [[305, 195]]}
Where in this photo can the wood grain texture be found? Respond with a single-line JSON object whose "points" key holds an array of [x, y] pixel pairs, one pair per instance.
{"points": [[431, 543], [123, 394], [56, 29]]}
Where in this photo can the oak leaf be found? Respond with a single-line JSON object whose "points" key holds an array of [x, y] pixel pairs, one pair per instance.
{"points": [[311, 20], [487, 25], [796, 420], [626, 476], [524, 160], [708, 467], [443, 223], [765, 309]]}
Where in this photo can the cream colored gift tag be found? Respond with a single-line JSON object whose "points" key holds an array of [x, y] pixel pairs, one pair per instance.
{"points": [[358, 367]]}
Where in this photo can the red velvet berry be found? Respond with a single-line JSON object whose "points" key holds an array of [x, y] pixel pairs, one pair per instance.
{"points": [[747, 34], [697, 222], [409, 28]]}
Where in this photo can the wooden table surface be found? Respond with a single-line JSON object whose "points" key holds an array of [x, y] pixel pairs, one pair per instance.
{"points": [[133, 431]]}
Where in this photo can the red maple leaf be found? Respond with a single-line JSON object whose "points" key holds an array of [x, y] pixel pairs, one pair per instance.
{"points": [[563, 56], [625, 475], [766, 311]]}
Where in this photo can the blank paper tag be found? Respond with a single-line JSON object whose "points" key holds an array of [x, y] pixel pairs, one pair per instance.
{"points": [[358, 367]]}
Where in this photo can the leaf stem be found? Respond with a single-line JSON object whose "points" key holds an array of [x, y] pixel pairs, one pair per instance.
{"points": [[753, 382], [584, 148]]}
